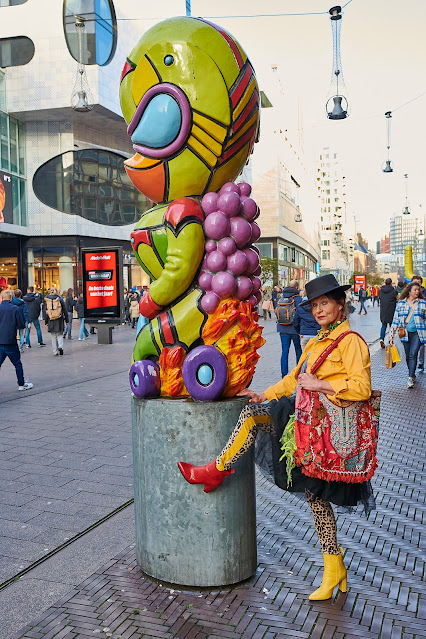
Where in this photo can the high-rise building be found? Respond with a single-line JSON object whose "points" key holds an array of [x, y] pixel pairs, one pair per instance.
{"points": [[409, 230], [337, 240], [385, 244]]}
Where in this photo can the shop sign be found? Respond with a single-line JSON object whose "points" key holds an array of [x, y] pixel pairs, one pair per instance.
{"points": [[101, 277], [295, 273], [360, 280], [6, 202], [301, 273]]}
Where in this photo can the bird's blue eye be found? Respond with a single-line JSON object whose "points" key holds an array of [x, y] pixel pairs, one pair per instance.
{"points": [[168, 60]]}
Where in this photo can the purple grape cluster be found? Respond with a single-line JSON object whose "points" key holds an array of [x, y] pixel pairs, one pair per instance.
{"points": [[231, 263]]}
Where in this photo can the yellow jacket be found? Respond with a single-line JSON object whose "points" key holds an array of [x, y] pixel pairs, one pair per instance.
{"points": [[346, 369]]}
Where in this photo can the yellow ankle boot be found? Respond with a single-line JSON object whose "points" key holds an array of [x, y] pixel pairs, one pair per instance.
{"points": [[334, 574]]}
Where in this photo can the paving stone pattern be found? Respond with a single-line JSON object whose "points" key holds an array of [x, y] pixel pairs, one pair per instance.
{"points": [[385, 556]]}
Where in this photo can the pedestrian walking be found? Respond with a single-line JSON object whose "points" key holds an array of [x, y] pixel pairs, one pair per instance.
{"points": [[11, 320], [70, 301], [33, 302], [341, 362], [305, 323], [421, 358], [400, 287], [19, 302], [375, 295], [56, 318], [410, 323], [134, 309], [362, 298], [266, 303], [276, 292], [79, 307], [287, 304], [387, 296], [126, 306]]}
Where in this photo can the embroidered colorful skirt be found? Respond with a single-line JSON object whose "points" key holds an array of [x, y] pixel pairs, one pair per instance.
{"points": [[268, 453]]}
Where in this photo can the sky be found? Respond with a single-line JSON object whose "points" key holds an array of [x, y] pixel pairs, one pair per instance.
{"points": [[383, 50]]}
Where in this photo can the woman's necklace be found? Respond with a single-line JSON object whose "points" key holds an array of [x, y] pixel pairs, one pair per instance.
{"points": [[325, 332]]}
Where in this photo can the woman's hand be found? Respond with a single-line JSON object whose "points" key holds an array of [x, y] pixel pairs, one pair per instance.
{"points": [[312, 383], [255, 398], [308, 381]]}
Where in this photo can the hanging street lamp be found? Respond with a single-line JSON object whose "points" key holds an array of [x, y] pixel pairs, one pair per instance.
{"points": [[406, 210], [81, 97], [387, 166], [337, 107]]}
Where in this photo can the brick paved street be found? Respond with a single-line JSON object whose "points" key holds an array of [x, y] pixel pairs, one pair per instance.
{"points": [[65, 463]]}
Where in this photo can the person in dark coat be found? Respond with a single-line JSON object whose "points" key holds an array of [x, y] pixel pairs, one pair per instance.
{"points": [[79, 307], [55, 326], [305, 323], [33, 303], [387, 296], [11, 320], [19, 302], [70, 301], [288, 333]]}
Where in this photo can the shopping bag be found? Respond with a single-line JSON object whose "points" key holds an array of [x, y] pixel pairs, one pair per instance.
{"points": [[395, 355], [388, 357]]}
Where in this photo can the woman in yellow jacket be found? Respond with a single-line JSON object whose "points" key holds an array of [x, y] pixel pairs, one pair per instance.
{"points": [[344, 375]]}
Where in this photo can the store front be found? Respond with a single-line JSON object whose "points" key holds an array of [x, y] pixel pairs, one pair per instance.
{"points": [[10, 263]]}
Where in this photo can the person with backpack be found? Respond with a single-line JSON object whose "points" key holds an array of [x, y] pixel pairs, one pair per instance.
{"points": [[56, 316], [287, 304], [33, 302], [305, 323]]}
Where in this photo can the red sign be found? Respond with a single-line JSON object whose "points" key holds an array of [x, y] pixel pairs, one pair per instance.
{"points": [[360, 280], [100, 279]]}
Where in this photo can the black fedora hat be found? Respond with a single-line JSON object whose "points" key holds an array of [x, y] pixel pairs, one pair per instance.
{"points": [[322, 286]]}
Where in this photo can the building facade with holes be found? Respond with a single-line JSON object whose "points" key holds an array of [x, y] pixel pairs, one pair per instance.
{"points": [[61, 173]]}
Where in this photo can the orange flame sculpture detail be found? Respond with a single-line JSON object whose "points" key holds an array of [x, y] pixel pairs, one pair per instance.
{"points": [[234, 330]]}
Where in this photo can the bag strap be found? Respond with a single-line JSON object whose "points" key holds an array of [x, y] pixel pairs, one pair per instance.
{"points": [[331, 348], [410, 315]]}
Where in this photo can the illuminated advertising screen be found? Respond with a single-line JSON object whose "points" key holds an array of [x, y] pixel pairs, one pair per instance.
{"points": [[101, 277], [6, 205], [359, 280]]}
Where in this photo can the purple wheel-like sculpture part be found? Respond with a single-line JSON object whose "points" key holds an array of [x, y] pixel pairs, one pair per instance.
{"points": [[183, 103], [145, 379], [202, 356]]}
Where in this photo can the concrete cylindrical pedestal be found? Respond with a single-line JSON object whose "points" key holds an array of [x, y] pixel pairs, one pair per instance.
{"points": [[183, 535]]}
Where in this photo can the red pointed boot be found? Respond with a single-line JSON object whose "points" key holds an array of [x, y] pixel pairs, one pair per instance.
{"points": [[208, 475]]}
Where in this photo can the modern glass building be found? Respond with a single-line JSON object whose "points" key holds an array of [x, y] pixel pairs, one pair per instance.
{"points": [[63, 186]]}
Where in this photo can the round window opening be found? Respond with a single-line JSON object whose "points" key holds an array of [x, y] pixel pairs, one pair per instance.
{"points": [[90, 28], [91, 183]]}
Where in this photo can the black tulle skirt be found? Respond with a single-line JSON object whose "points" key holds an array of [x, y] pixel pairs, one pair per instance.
{"points": [[267, 457]]}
